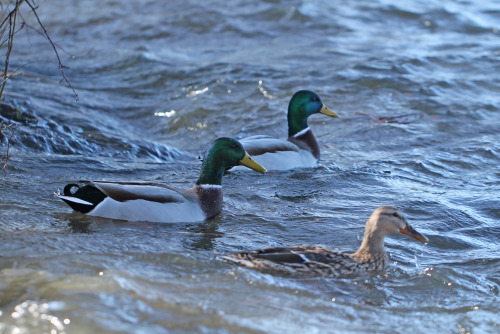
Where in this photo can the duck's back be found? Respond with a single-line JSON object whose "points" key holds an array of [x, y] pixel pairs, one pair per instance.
{"points": [[302, 260]]}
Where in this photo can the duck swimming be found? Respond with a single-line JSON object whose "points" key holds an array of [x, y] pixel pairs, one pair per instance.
{"points": [[138, 201], [320, 261], [301, 148]]}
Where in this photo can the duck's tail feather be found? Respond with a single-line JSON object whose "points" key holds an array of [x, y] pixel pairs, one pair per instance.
{"points": [[84, 199], [72, 199]]}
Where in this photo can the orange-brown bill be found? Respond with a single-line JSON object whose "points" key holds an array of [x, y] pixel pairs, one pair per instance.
{"points": [[411, 232]]}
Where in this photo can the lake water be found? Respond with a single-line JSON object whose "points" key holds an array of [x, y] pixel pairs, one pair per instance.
{"points": [[417, 88]]}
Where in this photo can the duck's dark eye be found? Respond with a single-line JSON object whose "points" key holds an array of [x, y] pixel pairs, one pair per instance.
{"points": [[395, 214], [314, 99]]}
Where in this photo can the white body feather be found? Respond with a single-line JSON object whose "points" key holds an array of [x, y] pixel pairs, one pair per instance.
{"points": [[284, 154], [283, 160], [141, 210]]}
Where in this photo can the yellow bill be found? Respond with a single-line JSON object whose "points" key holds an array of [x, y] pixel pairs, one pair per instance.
{"points": [[247, 161], [328, 112], [409, 231]]}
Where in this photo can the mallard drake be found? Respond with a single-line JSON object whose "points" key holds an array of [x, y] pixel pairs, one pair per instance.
{"points": [[321, 261], [139, 201], [301, 148]]}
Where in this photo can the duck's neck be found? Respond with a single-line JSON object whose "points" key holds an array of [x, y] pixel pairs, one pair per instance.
{"points": [[210, 199], [372, 251], [211, 173], [305, 140], [297, 121], [208, 188]]}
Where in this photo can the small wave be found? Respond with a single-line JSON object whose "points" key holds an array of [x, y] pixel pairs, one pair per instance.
{"points": [[36, 134]]}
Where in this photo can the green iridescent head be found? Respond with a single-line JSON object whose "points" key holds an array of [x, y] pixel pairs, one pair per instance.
{"points": [[222, 155], [303, 104]]}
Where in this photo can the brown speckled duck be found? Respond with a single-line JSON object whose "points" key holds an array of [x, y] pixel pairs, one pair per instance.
{"points": [[320, 261]]}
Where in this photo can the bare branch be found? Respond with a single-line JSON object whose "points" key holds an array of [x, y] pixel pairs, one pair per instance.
{"points": [[12, 27], [61, 66], [7, 76], [18, 3], [4, 167], [15, 32], [89, 51]]}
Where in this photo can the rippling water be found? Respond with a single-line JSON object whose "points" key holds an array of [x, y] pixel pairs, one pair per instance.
{"points": [[416, 85]]}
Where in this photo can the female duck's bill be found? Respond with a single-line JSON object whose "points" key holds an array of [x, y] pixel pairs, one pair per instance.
{"points": [[320, 261], [142, 201]]}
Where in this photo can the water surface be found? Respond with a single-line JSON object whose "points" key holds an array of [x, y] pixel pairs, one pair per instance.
{"points": [[417, 91]]}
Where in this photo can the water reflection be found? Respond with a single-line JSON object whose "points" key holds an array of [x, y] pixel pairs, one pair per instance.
{"points": [[31, 316], [203, 235], [197, 236], [419, 129], [80, 223]]}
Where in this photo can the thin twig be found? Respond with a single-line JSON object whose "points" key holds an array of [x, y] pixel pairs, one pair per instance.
{"points": [[18, 3], [89, 51], [398, 119], [4, 167], [61, 66], [8, 17], [7, 76], [12, 27], [15, 32]]}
